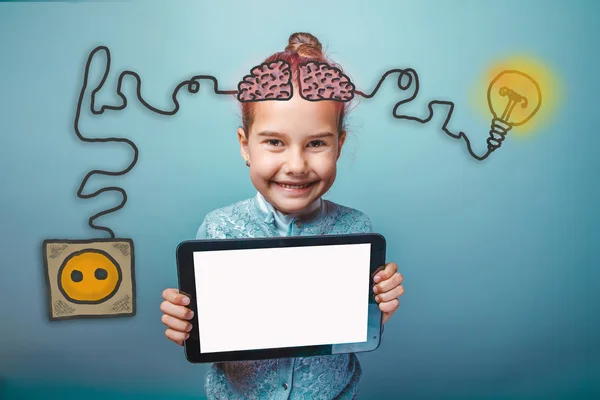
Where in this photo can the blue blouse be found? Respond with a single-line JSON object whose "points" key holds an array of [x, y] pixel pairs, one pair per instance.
{"points": [[318, 377]]}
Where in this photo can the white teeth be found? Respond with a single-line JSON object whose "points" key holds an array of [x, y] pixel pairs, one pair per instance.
{"points": [[294, 186]]}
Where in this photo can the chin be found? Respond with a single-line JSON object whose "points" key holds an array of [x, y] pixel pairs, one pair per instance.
{"points": [[289, 206], [292, 203]]}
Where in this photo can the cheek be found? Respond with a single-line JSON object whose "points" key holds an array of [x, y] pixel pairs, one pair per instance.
{"points": [[264, 164], [324, 164]]}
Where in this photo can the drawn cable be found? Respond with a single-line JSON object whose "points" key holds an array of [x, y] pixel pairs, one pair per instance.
{"points": [[193, 86], [405, 81], [410, 75]]}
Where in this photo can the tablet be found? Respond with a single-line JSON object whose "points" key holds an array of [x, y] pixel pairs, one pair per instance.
{"points": [[283, 297]]}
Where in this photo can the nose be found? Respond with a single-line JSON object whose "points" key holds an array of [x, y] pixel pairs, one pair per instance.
{"points": [[296, 163]]}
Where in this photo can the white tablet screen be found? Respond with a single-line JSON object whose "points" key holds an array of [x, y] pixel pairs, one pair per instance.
{"points": [[282, 297]]}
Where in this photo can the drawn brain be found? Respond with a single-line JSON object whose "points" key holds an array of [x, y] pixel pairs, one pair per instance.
{"points": [[267, 81], [320, 81]]}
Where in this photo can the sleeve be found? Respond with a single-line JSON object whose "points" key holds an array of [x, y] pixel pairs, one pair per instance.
{"points": [[214, 226], [368, 224], [202, 232], [359, 222]]}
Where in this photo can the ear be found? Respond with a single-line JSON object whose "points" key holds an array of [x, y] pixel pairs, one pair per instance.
{"points": [[243, 139], [341, 141]]}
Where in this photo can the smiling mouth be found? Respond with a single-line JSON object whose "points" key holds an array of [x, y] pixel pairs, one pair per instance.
{"points": [[295, 186]]}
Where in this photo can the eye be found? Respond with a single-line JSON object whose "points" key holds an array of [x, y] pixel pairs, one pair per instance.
{"points": [[274, 142], [317, 143]]}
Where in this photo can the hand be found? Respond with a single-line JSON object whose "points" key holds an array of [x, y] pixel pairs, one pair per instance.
{"points": [[388, 289], [176, 315]]}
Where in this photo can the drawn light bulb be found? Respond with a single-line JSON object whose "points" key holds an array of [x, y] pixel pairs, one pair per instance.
{"points": [[513, 98]]}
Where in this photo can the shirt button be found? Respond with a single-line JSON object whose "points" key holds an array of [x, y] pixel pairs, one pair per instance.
{"points": [[299, 224], [285, 386]]}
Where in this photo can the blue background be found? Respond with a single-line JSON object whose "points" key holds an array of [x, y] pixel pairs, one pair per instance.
{"points": [[499, 256]]}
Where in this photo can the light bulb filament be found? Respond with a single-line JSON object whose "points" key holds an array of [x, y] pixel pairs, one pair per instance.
{"points": [[513, 99]]}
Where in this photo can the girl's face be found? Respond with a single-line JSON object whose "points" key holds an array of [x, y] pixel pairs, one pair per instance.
{"points": [[292, 147]]}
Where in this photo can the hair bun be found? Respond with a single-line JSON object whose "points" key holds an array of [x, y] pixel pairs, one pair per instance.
{"points": [[305, 45]]}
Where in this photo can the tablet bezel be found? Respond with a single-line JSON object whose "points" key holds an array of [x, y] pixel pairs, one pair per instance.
{"points": [[187, 286]]}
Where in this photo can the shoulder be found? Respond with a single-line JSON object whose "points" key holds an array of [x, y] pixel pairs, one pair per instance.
{"points": [[218, 222], [348, 219]]}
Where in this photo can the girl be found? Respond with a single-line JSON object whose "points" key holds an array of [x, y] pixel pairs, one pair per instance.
{"points": [[291, 148]]}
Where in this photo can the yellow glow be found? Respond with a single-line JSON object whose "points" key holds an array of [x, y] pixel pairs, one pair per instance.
{"points": [[546, 80]]}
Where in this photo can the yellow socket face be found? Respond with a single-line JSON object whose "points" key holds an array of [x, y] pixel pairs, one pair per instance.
{"points": [[89, 277]]}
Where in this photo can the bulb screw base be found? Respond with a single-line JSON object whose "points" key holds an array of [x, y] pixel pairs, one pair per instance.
{"points": [[499, 130]]}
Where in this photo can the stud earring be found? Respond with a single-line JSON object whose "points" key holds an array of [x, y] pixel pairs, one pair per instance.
{"points": [[247, 163]]}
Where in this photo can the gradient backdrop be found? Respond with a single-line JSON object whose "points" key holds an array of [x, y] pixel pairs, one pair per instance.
{"points": [[500, 257]]}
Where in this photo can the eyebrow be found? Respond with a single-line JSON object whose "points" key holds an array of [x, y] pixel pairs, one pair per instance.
{"points": [[278, 134]]}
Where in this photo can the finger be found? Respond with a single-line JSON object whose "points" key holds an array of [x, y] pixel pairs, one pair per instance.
{"points": [[388, 284], [377, 271], [173, 296], [385, 318], [389, 306], [389, 270], [176, 324], [392, 294], [176, 311], [177, 337]]}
